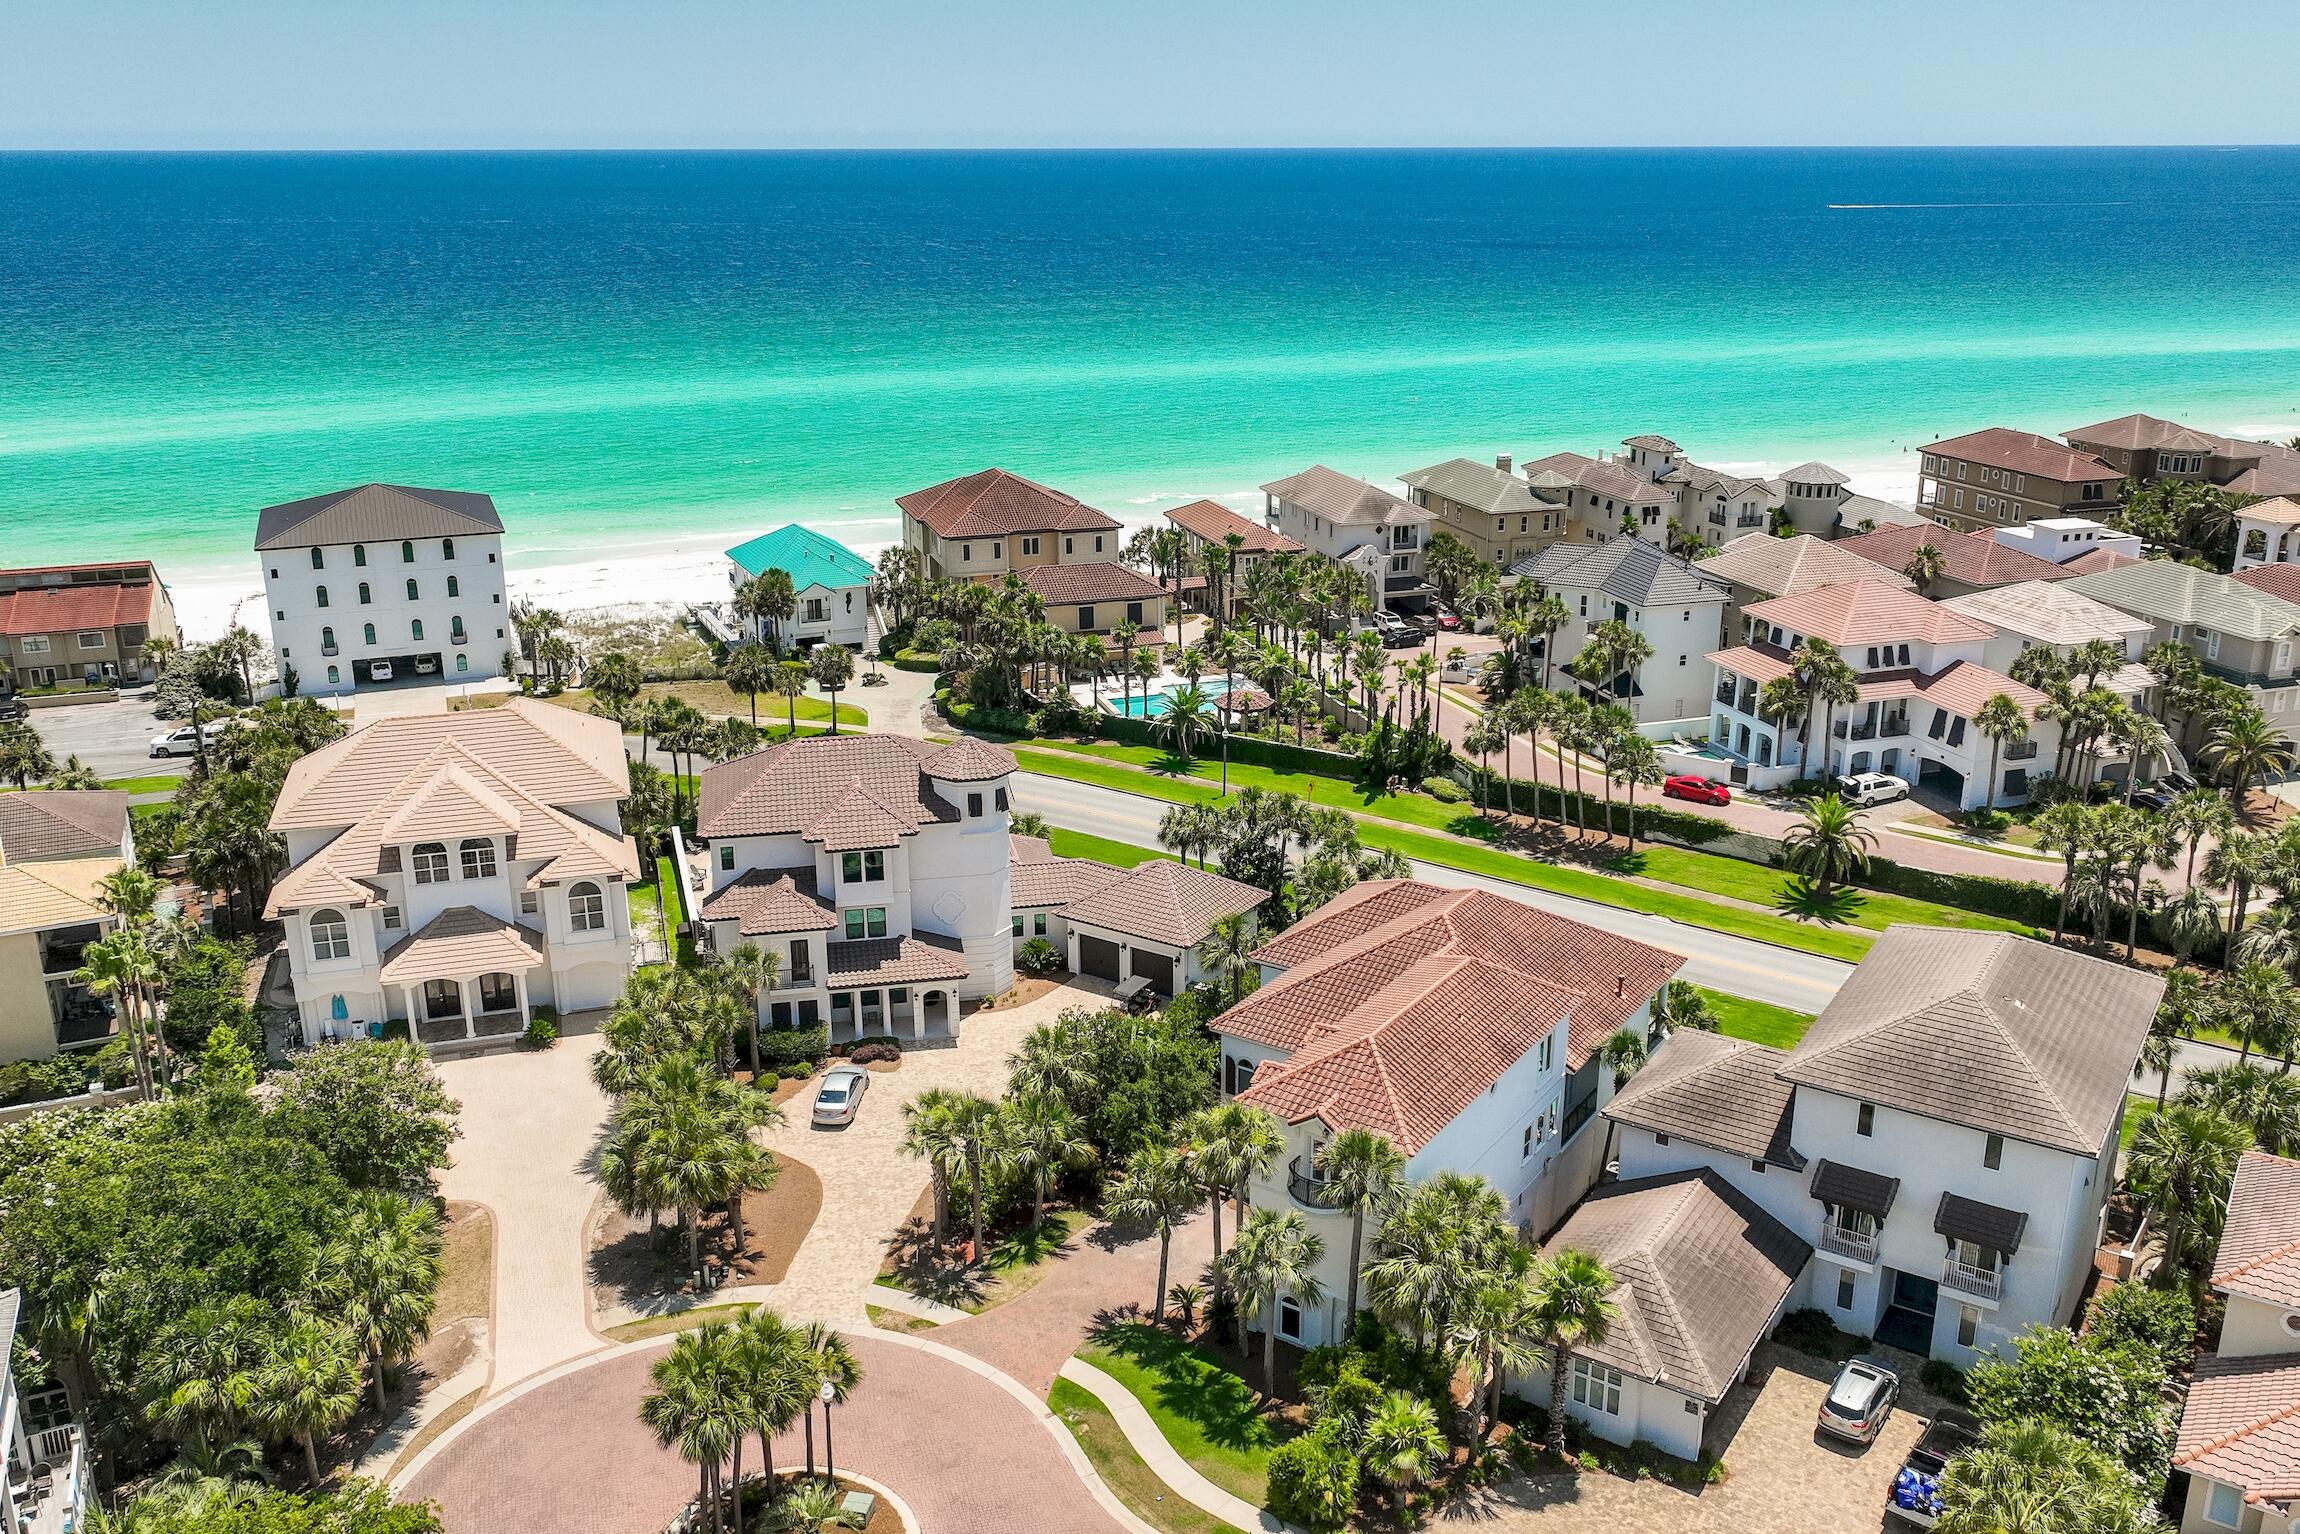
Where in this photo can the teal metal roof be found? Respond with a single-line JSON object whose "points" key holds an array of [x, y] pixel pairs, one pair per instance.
{"points": [[811, 559]]}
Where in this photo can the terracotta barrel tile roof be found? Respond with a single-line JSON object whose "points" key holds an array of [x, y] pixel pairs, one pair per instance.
{"points": [[913, 960], [967, 760], [992, 503], [1971, 560], [786, 788], [2260, 1240], [1782, 567], [2135, 433], [554, 754], [54, 609], [1165, 902], [460, 943], [57, 893], [1061, 585], [772, 900], [2242, 1425], [1040, 879], [2279, 581], [2024, 452], [1214, 522], [1868, 612]]}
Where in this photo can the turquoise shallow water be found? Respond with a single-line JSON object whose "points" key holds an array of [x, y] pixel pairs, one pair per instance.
{"points": [[626, 347]]}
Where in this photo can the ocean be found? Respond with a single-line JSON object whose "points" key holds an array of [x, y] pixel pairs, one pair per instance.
{"points": [[645, 356]]}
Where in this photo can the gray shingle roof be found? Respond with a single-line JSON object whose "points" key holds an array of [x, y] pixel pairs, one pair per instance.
{"points": [[1335, 496], [1994, 1032], [375, 513], [1714, 1091], [1968, 1219], [1852, 1187], [1628, 569], [2169, 592], [1479, 486], [61, 823], [1701, 1270]]}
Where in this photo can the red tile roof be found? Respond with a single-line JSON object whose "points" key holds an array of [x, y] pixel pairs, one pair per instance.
{"points": [[2024, 452], [2260, 1242], [771, 900], [2098, 559], [1062, 585], [2276, 580], [2242, 1425], [60, 609], [921, 957], [1165, 902], [967, 760], [2139, 432], [788, 789], [1213, 522], [1977, 560], [1868, 612], [993, 502]]}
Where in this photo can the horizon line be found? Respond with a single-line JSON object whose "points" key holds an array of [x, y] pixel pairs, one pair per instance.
{"points": [[1051, 149]]}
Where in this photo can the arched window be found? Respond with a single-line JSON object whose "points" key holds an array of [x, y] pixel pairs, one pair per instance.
{"points": [[586, 908], [447, 548], [359, 553], [417, 626], [431, 863], [455, 630], [365, 596], [326, 640], [367, 632], [319, 559], [334, 675], [330, 935], [478, 858], [407, 553], [411, 596], [453, 589], [463, 663], [322, 595]]}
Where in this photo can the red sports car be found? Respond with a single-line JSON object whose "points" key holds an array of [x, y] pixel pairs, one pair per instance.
{"points": [[1699, 790]]}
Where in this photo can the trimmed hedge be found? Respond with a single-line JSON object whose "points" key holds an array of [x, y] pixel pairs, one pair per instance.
{"points": [[912, 660], [794, 1046]]}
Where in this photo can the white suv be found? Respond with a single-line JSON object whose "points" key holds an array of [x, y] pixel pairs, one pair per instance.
{"points": [[1866, 788]]}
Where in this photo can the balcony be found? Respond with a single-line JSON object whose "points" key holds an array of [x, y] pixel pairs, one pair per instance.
{"points": [[55, 1491], [1310, 1189], [1576, 1115], [1986, 1283], [1849, 1243], [2021, 751], [1897, 725], [1725, 694], [1865, 730]]}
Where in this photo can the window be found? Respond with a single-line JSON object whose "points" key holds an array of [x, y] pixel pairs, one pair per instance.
{"points": [[447, 548], [1038, 925], [411, 592], [455, 632], [862, 867], [1542, 1051], [1085, 617], [998, 800], [727, 856], [407, 553], [966, 553], [586, 908], [415, 629], [365, 595], [326, 641], [322, 598], [1866, 1124], [998, 551], [37, 644], [2224, 1506], [318, 559], [1993, 1152], [1017, 919], [359, 554], [1289, 1319], [1844, 1288], [974, 806], [462, 662], [1134, 615], [453, 588], [1030, 545], [91, 641], [1525, 1143], [1968, 1325], [334, 674], [330, 935], [431, 863], [865, 921], [391, 918], [1097, 543], [529, 903], [1597, 1387], [478, 858], [367, 633], [1069, 545]]}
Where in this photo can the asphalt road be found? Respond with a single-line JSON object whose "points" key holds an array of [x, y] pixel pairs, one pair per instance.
{"points": [[112, 738]]}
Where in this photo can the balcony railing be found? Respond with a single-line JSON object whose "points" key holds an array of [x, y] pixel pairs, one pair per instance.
{"points": [[1576, 1115], [59, 1484], [1898, 725], [1849, 1243], [1985, 1282], [1725, 694], [2021, 751], [1864, 731], [1309, 1189]]}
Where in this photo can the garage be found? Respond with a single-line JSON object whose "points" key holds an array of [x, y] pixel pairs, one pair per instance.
{"points": [[1098, 957], [1156, 968]]}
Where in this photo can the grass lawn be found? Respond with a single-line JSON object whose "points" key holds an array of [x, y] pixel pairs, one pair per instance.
{"points": [[673, 894], [887, 1319], [1123, 1470], [1212, 1418], [1753, 882], [645, 902], [1333, 793], [2138, 1110], [1101, 849], [1759, 1022], [710, 696], [158, 783], [676, 1321]]}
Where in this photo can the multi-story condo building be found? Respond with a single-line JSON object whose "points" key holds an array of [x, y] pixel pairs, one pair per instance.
{"points": [[981, 525], [2268, 532], [1496, 515], [830, 587], [457, 871], [1360, 525], [1463, 1027], [1922, 685], [1999, 477], [1676, 608], [1208, 525], [2241, 634], [876, 868], [2148, 448], [384, 576], [1942, 1141], [2239, 1438], [61, 624], [57, 846]]}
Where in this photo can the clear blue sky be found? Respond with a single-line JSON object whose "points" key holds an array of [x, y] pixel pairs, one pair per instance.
{"points": [[769, 73]]}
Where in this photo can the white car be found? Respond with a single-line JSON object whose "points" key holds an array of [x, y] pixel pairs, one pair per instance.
{"points": [[183, 740], [1866, 788], [379, 671], [841, 1094], [426, 665]]}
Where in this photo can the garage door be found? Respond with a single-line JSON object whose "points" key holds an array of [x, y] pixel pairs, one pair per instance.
{"points": [[1156, 968], [1098, 957]]}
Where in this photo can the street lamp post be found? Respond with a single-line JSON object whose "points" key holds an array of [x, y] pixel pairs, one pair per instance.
{"points": [[830, 1468]]}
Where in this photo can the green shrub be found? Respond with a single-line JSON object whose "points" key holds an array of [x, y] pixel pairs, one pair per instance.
{"points": [[913, 660], [542, 1030], [874, 1054], [1444, 790], [797, 1070], [1943, 1379], [1812, 1333], [795, 1046], [2163, 1321], [868, 1040], [1314, 1478], [1039, 957], [394, 1031], [115, 1064], [40, 1081]]}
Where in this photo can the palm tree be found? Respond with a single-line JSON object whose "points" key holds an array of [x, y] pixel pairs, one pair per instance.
{"points": [[2031, 1477], [695, 1407], [777, 1382], [1431, 1250], [1496, 1332], [1157, 1189], [2264, 1101], [1634, 760], [1187, 718], [1830, 843], [790, 679], [2190, 921], [1572, 1306], [2066, 827], [1925, 568], [202, 1379], [2144, 741], [1401, 1444], [2256, 1006], [1481, 740], [749, 672], [1229, 1145], [1275, 1256], [750, 971], [381, 1277], [23, 755], [1040, 1136], [2180, 1164], [2195, 815], [1229, 951], [2000, 719], [931, 1130], [826, 1360], [974, 1128], [309, 1385], [1830, 684], [1049, 1060], [831, 667], [121, 965], [2246, 746], [2243, 863], [1681, 1006], [1366, 1175]]}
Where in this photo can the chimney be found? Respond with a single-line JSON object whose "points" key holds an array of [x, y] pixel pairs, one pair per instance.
{"points": [[1501, 462], [1620, 986]]}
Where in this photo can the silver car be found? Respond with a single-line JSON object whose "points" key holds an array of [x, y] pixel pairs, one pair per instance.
{"points": [[1860, 1399], [841, 1094]]}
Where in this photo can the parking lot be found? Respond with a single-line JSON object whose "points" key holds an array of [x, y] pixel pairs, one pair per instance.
{"points": [[112, 738]]}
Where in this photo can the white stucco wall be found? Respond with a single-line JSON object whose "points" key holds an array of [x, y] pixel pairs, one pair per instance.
{"points": [[291, 588], [2253, 1326]]}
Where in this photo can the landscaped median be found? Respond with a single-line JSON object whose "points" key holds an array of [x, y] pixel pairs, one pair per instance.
{"points": [[1124, 1471]]}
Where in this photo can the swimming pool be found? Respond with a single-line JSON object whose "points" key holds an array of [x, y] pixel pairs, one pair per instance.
{"points": [[1153, 703]]}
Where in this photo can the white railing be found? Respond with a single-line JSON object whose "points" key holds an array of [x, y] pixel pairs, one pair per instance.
{"points": [[1849, 1243], [1985, 1282]]}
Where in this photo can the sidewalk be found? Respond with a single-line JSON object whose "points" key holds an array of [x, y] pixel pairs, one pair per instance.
{"points": [[1159, 1455]]}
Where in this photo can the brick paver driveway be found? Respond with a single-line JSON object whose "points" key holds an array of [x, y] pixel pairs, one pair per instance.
{"points": [[569, 1456]]}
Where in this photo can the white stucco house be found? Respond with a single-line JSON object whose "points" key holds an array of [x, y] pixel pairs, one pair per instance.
{"points": [[1671, 603], [1147, 922], [1462, 1026], [1943, 1138], [384, 574], [1381, 536], [874, 867], [2239, 1438], [456, 871], [830, 586], [2266, 532]]}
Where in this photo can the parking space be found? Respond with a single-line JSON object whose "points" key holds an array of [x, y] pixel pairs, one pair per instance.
{"points": [[113, 738]]}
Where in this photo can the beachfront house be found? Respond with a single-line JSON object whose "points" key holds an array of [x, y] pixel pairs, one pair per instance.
{"points": [[2050, 615], [57, 846], [2148, 448], [1604, 498], [1978, 561], [2078, 545], [1922, 682], [1998, 477], [2239, 1438], [830, 587], [1495, 514], [981, 525], [1209, 525], [384, 584], [1359, 525], [1462, 1026], [874, 867], [1942, 1140], [1668, 601], [82, 625], [2242, 635], [456, 871]]}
